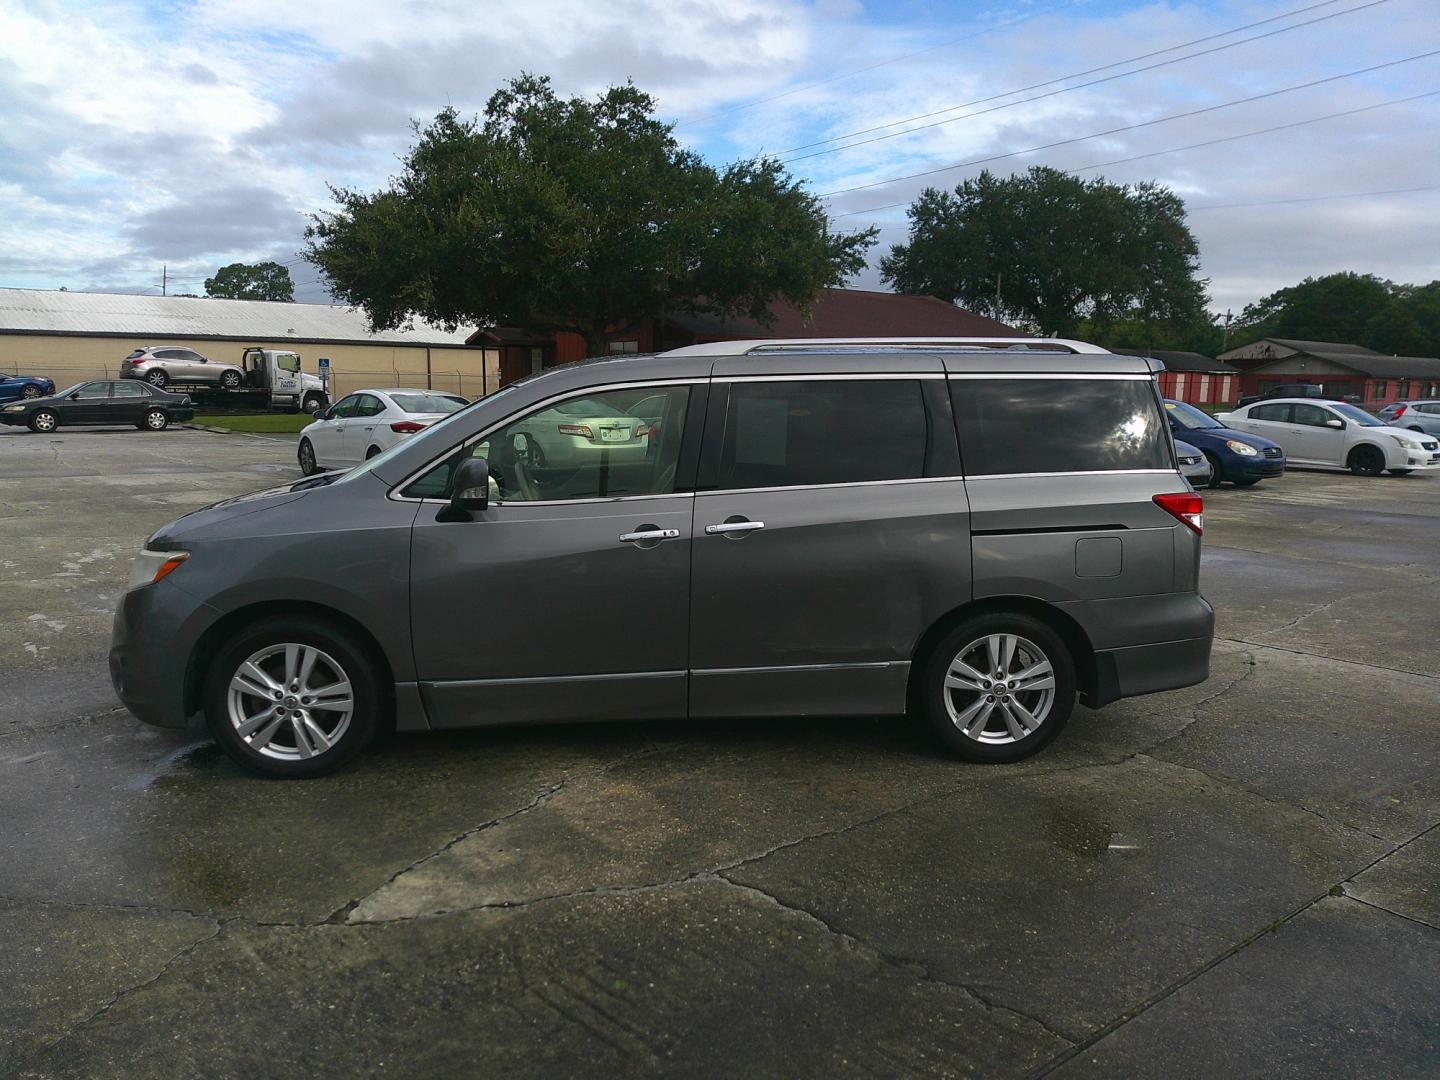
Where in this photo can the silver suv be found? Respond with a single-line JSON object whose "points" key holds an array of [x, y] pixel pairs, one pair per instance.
{"points": [[160, 365], [973, 532]]}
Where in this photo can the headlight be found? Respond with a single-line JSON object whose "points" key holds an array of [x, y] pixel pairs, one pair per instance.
{"points": [[1408, 444], [14, 408], [150, 566], [1243, 449]]}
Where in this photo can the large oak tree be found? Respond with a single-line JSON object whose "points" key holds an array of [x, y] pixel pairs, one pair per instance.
{"points": [[251, 281], [579, 215], [1049, 250]]}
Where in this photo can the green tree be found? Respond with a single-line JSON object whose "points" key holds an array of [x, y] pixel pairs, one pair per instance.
{"points": [[1047, 250], [251, 281], [1335, 307], [578, 215]]}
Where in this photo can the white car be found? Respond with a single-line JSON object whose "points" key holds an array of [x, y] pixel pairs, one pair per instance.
{"points": [[369, 422], [1335, 433]]}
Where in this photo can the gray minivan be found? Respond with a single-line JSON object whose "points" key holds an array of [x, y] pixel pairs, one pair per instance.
{"points": [[971, 531]]}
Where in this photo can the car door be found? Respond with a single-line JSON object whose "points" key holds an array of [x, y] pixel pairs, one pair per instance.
{"points": [[1270, 420], [325, 435], [568, 598], [193, 367], [1429, 417], [356, 430], [89, 404], [831, 528], [129, 402], [1312, 436]]}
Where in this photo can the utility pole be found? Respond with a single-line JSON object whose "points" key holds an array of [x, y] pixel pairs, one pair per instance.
{"points": [[998, 276], [1227, 330], [164, 278]]}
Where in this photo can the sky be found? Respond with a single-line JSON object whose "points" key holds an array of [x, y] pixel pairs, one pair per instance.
{"points": [[187, 135]]}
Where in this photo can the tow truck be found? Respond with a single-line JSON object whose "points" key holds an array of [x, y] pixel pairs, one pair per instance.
{"points": [[271, 378]]}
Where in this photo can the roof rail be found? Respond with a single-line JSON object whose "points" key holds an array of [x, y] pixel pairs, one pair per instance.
{"points": [[764, 345]]}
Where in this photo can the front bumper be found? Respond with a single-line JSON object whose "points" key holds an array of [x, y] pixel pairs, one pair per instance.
{"points": [[20, 419], [1256, 468], [154, 634]]}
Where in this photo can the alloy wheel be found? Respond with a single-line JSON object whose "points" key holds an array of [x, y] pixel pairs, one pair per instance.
{"points": [[157, 378], [999, 689], [155, 420], [30, 392], [307, 457], [45, 421], [290, 702]]}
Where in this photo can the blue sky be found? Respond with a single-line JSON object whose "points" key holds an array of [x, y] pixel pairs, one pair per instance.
{"points": [[195, 134]]}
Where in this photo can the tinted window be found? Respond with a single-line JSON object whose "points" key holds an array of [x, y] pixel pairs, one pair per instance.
{"points": [[1279, 414], [93, 390], [608, 452], [785, 434], [369, 405], [1059, 425], [346, 406], [428, 403], [167, 354], [1429, 410], [137, 352], [1310, 415], [130, 390]]}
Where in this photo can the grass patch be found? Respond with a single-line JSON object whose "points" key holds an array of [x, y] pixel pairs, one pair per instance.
{"points": [[261, 423]]}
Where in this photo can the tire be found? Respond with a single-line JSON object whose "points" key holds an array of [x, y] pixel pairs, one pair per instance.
{"points": [[1217, 474], [371, 452], [44, 421], [1401, 472], [1366, 461], [312, 404], [305, 455], [282, 737], [31, 392], [155, 420], [230, 380], [158, 379], [951, 710]]}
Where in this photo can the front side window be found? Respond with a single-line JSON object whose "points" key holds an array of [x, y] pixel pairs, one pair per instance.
{"points": [[1310, 415], [345, 407], [621, 443], [794, 434], [1059, 425], [93, 390], [288, 362]]}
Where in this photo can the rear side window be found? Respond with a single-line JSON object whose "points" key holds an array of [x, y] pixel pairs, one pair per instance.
{"points": [[790, 434], [129, 389], [1059, 425], [1278, 413]]}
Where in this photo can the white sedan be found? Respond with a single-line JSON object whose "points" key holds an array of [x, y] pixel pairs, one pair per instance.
{"points": [[369, 422], [1335, 433]]}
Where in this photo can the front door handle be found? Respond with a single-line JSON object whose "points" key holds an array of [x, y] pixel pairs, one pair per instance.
{"points": [[733, 527], [649, 535]]}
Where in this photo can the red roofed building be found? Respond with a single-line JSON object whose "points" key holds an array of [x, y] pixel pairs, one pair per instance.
{"points": [[838, 313]]}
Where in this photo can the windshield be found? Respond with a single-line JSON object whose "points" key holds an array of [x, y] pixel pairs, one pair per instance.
{"points": [[1189, 417], [428, 403], [1359, 416], [62, 393]]}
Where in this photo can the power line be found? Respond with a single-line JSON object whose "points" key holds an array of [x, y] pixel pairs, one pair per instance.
{"points": [[1198, 145], [871, 67], [1077, 75], [1313, 198], [1134, 127]]}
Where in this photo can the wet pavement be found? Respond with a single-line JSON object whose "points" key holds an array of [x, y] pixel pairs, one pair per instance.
{"points": [[1235, 878]]}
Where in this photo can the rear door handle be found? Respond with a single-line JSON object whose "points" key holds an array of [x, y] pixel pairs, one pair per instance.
{"points": [[649, 534], [733, 527]]}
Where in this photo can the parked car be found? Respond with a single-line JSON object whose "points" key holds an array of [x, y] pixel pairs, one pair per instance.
{"points": [[1194, 466], [24, 387], [1416, 415], [1285, 390], [104, 401], [369, 422], [799, 538], [1338, 435], [1237, 456], [161, 365]]}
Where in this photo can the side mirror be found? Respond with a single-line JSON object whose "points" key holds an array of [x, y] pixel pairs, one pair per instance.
{"points": [[321, 414], [469, 490], [1336, 424]]}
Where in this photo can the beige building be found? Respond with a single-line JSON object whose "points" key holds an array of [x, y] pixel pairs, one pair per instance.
{"points": [[70, 336]]}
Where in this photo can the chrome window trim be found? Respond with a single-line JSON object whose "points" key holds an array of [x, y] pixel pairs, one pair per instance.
{"points": [[531, 680], [1005, 376], [866, 665], [544, 403], [823, 376], [1076, 472], [824, 487], [563, 502]]}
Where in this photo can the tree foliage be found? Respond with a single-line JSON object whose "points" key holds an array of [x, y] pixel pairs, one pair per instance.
{"points": [[1047, 250], [578, 215], [251, 281], [1361, 309]]}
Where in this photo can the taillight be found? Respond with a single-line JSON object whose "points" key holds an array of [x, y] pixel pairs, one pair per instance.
{"points": [[646, 431], [407, 427], [1399, 411], [577, 429], [1185, 507]]}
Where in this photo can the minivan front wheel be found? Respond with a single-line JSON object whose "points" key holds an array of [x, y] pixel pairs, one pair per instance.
{"points": [[998, 688], [293, 698]]}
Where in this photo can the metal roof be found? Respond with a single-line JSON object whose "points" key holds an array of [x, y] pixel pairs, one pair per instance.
{"points": [[45, 311]]}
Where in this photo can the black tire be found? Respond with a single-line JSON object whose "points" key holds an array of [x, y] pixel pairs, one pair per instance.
{"points": [[1366, 461], [313, 403], [230, 380], [305, 455], [155, 420], [341, 659], [158, 379], [987, 743], [30, 392], [43, 421], [1246, 481], [371, 452], [1217, 474], [1401, 472]]}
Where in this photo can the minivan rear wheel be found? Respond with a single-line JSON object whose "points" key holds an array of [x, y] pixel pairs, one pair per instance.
{"points": [[293, 698], [998, 688]]}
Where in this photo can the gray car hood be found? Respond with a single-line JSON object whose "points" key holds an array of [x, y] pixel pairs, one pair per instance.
{"points": [[227, 510]]}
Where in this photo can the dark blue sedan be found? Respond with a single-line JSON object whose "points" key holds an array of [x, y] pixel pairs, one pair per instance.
{"points": [[1237, 456], [15, 387]]}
